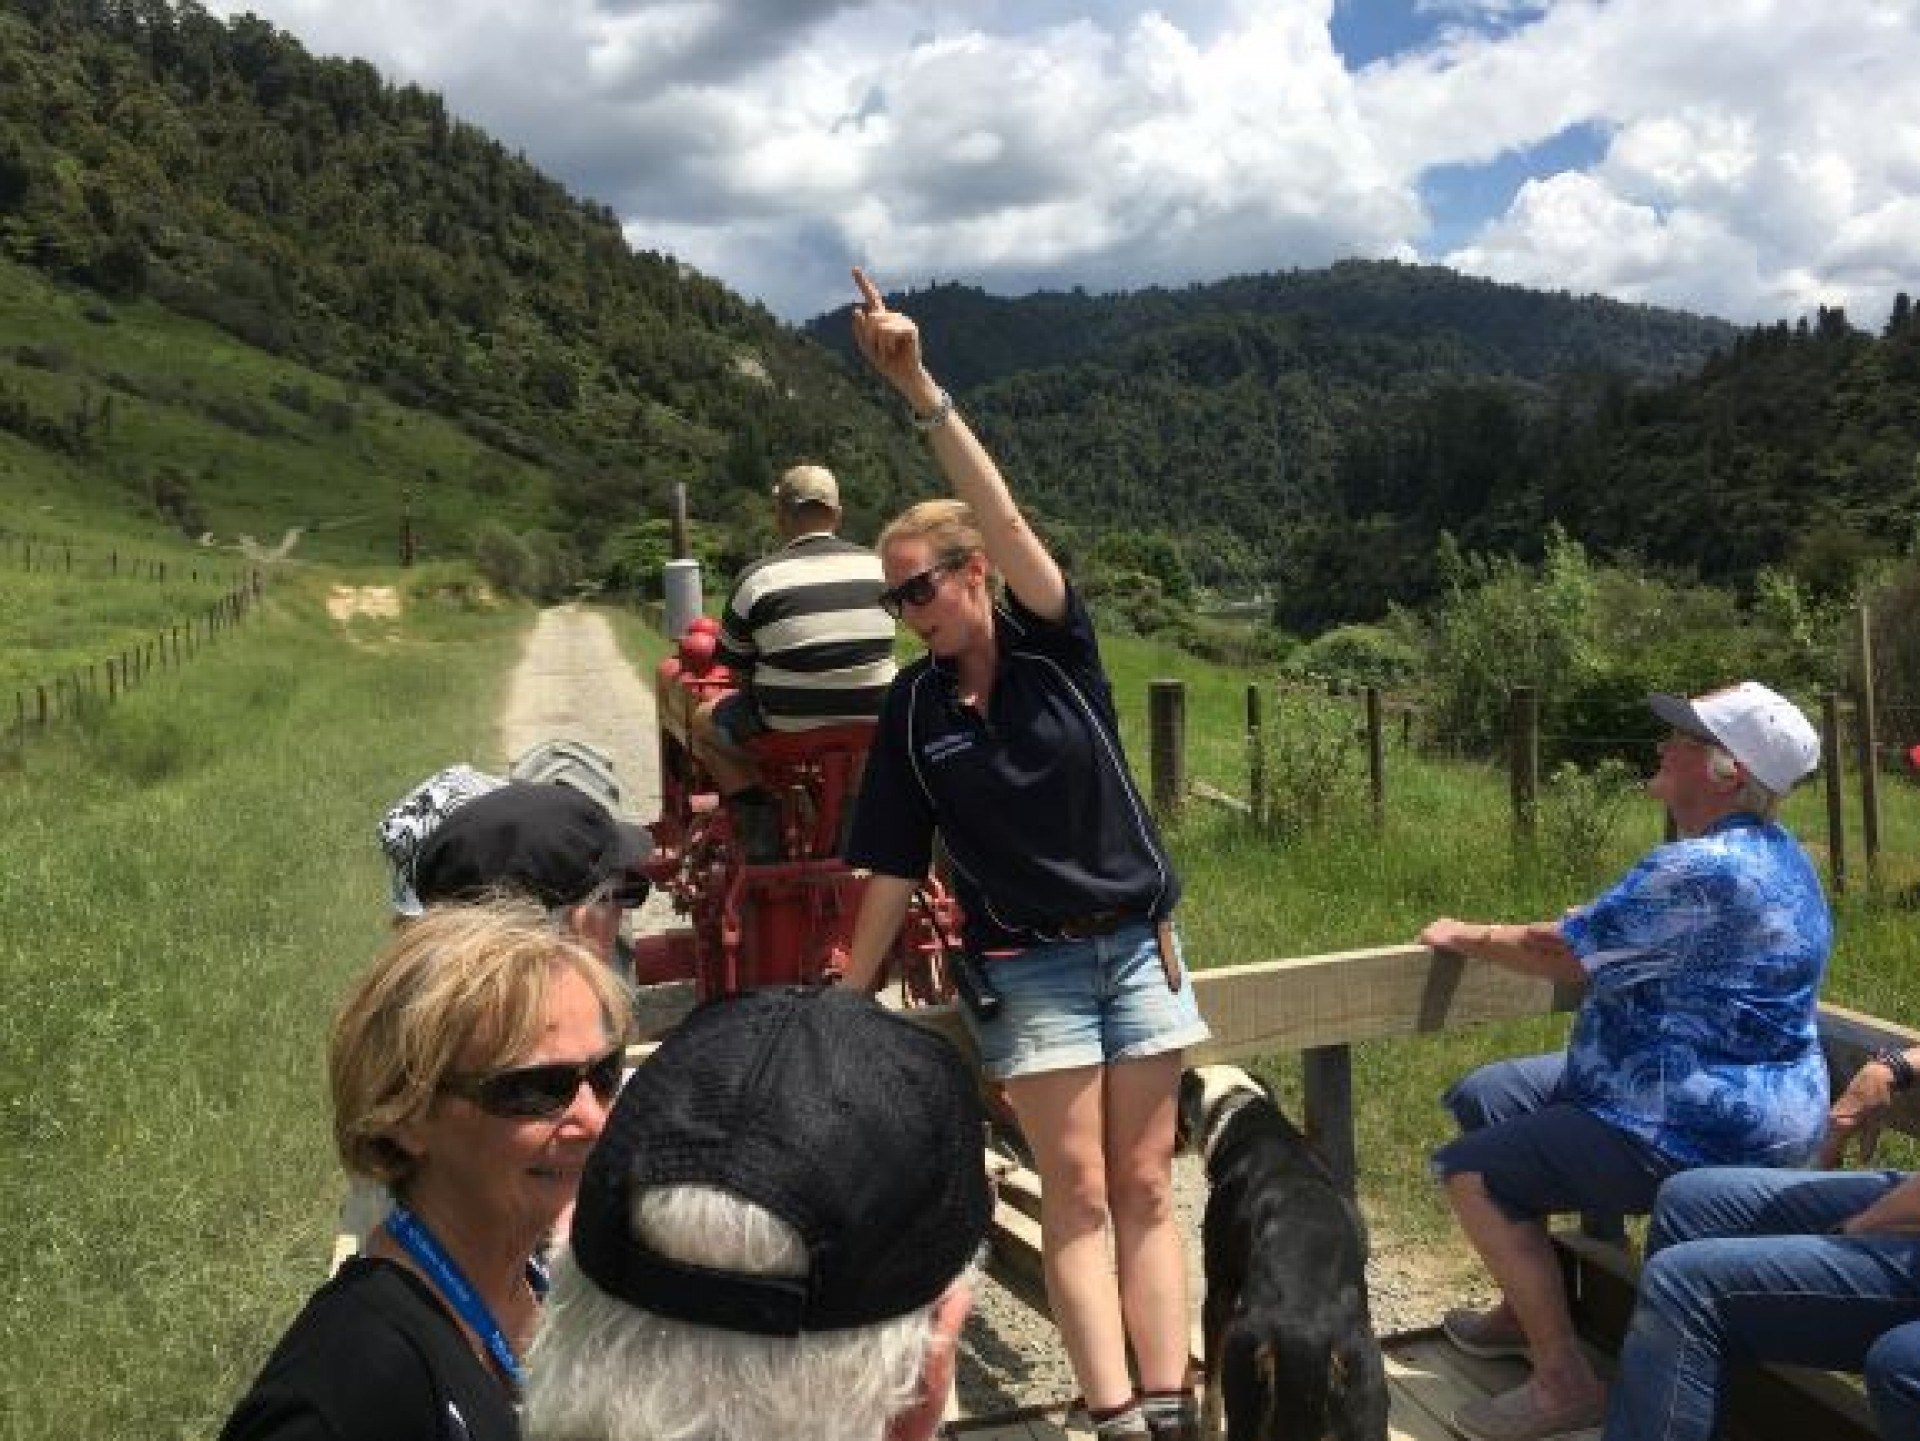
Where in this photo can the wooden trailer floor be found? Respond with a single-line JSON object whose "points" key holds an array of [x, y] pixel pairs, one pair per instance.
{"points": [[1427, 1377]]}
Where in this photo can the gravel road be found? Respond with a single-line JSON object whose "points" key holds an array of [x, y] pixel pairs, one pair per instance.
{"points": [[572, 682]]}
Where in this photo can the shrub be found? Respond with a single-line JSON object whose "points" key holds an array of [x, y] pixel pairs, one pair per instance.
{"points": [[1580, 815], [504, 559], [1314, 768], [1593, 641], [1356, 656], [1894, 607]]}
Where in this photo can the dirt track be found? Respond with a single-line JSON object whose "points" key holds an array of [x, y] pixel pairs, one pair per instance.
{"points": [[572, 683]]}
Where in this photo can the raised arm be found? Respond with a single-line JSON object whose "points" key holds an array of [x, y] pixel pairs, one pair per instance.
{"points": [[891, 343]]}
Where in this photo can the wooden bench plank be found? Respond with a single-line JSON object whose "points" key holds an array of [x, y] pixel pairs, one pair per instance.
{"points": [[1429, 1379], [1269, 1008]]}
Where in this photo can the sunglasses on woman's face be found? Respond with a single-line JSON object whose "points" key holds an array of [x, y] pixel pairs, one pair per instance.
{"points": [[542, 1092], [918, 589]]}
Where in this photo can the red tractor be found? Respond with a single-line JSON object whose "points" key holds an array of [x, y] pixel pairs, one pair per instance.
{"points": [[783, 922]]}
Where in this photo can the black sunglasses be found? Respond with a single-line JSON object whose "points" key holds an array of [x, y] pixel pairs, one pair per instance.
{"points": [[542, 1092], [918, 589]]}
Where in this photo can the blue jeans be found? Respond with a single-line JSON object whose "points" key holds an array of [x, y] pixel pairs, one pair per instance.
{"points": [[1740, 1270]]}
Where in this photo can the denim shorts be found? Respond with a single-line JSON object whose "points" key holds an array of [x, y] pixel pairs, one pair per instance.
{"points": [[1086, 1003], [1558, 1158]]}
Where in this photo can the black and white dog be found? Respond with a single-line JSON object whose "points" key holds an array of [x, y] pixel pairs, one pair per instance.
{"points": [[1290, 1352]]}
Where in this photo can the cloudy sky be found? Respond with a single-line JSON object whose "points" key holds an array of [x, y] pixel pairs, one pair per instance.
{"points": [[1744, 158]]}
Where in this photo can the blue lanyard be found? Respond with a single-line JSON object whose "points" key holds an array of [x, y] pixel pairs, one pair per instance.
{"points": [[419, 1243]]}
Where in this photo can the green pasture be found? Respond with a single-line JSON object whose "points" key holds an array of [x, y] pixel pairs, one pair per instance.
{"points": [[178, 421], [188, 880]]}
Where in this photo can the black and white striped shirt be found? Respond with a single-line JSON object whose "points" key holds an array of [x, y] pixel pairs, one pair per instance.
{"points": [[804, 630]]}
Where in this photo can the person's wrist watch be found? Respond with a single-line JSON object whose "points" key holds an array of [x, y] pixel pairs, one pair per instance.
{"points": [[937, 417], [1895, 1060]]}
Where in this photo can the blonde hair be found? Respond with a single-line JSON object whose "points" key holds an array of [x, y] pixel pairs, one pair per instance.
{"points": [[947, 526], [462, 979]]}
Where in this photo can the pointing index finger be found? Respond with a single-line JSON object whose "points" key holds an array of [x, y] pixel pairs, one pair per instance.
{"points": [[868, 293]]}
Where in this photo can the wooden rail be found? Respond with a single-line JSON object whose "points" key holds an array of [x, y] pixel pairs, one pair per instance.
{"points": [[1320, 1005]]}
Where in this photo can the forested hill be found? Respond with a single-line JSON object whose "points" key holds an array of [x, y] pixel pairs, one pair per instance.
{"points": [[1310, 434], [1315, 434], [1367, 321], [151, 152]]}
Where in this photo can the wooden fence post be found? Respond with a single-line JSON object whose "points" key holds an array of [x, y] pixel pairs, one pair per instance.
{"points": [[1167, 736], [1869, 749], [1256, 756], [1523, 760], [1836, 792], [1327, 1091], [1376, 759]]}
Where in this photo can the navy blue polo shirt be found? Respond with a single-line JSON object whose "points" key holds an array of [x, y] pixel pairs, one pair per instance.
{"points": [[1038, 814]]}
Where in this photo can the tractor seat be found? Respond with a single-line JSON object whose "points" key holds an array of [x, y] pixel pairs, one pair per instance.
{"points": [[815, 776]]}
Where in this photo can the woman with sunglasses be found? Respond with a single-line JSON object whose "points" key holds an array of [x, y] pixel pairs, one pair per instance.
{"points": [[471, 1068], [1003, 742]]}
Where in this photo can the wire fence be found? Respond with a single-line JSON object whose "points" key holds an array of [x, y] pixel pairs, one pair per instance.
{"points": [[1862, 744], [41, 705], [51, 555]]}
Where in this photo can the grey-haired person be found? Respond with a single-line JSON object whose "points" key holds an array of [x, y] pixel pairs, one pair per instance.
{"points": [[777, 1236], [1696, 1042], [540, 841]]}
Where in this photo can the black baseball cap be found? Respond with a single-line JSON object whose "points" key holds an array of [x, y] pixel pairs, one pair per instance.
{"points": [[543, 839], [858, 1128]]}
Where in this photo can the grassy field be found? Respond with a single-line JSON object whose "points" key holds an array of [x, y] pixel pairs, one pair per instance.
{"points": [[188, 880], [177, 420]]}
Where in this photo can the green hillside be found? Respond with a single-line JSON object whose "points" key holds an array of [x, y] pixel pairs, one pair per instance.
{"points": [[380, 261], [246, 289]]}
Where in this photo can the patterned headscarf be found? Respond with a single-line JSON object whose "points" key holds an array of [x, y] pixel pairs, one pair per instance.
{"points": [[405, 827]]}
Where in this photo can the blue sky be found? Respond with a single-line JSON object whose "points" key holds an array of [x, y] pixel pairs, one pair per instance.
{"points": [[1745, 158]]}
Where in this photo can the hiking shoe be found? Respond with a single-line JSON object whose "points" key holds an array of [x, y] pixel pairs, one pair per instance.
{"points": [[1516, 1416], [1490, 1335]]}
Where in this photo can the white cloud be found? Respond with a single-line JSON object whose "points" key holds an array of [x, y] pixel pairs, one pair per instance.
{"points": [[1760, 155]]}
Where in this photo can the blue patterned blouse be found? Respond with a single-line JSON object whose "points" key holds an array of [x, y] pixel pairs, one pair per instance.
{"points": [[1698, 1033]]}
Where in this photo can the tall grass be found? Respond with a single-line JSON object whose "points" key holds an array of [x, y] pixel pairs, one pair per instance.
{"points": [[187, 881]]}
